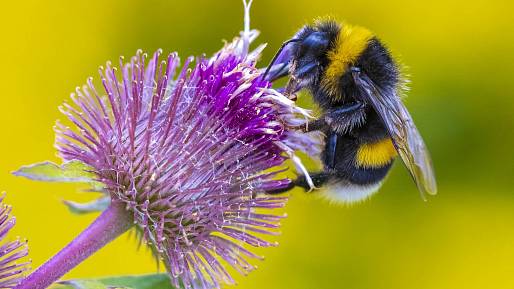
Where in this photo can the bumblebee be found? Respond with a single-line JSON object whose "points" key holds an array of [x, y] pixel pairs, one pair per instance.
{"points": [[357, 84]]}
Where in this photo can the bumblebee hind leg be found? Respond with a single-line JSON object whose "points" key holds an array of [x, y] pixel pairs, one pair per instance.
{"points": [[319, 179]]}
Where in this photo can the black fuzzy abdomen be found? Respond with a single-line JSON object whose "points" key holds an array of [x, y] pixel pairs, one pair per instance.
{"points": [[345, 165], [347, 145]]}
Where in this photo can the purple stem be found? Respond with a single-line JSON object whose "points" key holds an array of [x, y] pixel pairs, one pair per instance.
{"points": [[113, 222]]}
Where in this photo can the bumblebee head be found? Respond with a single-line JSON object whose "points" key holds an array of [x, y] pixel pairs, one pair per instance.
{"points": [[310, 52], [304, 57]]}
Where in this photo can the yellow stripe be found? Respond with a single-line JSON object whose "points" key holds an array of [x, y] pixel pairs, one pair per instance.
{"points": [[375, 155], [350, 44]]}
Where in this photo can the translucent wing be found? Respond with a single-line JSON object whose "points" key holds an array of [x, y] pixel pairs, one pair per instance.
{"points": [[405, 135]]}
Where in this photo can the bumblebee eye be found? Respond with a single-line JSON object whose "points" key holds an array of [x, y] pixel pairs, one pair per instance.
{"points": [[316, 42]]}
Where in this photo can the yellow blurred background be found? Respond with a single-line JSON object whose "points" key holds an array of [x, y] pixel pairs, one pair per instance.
{"points": [[460, 55]]}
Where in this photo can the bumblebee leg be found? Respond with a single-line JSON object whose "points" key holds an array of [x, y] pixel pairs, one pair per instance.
{"points": [[281, 190], [315, 125], [346, 109], [331, 150], [344, 119], [338, 115], [319, 179]]}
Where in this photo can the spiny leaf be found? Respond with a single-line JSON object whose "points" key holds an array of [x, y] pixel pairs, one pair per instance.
{"points": [[72, 171]]}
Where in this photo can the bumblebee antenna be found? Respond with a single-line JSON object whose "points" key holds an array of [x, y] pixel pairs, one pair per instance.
{"points": [[277, 54]]}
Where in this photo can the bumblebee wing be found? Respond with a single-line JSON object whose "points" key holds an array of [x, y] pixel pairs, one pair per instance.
{"points": [[405, 135]]}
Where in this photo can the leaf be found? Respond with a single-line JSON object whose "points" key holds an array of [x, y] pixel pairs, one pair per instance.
{"points": [[72, 171], [85, 284], [97, 205], [151, 281]]}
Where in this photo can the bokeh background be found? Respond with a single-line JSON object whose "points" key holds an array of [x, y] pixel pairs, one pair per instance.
{"points": [[460, 55]]}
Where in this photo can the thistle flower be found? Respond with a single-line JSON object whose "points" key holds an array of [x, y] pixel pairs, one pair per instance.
{"points": [[11, 252], [186, 154]]}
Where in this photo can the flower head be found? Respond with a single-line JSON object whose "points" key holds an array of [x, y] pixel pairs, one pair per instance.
{"points": [[189, 151], [11, 252]]}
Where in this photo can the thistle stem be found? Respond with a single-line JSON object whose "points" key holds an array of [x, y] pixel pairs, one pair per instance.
{"points": [[113, 222]]}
